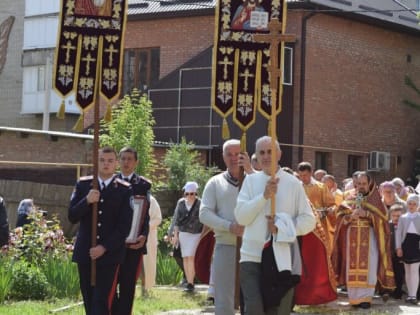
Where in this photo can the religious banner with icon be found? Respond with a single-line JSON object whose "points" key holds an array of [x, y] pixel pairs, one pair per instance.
{"points": [[90, 49], [241, 80]]}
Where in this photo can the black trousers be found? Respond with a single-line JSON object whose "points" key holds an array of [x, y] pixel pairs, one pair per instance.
{"points": [[98, 299], [399, 274], [128, 274]]}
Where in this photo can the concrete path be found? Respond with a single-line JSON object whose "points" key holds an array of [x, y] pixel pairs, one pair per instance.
{"points": [[340, 306]]}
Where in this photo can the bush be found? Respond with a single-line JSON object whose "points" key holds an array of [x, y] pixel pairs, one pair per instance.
{"points": [[28, 282], [5, 278], [164, 246], [183, 164], [39, 254], [167, 270], [34, 240], [62, 275]]}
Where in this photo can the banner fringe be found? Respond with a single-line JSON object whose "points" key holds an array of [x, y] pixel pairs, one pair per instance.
{"points": [[79, 126], [108, 113], [61, 110], [225, 130]]}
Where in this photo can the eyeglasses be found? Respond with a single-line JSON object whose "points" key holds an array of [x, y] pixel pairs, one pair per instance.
{"points": [[190, 194]]}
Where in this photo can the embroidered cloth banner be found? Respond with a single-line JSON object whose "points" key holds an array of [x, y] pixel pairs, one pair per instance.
{"points": [[241, 83], [90, 41]]}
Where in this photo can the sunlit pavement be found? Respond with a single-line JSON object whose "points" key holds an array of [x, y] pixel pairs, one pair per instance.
{"points": [[391, 307]]}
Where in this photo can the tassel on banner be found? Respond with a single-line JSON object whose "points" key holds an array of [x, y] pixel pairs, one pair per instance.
{"points": [[61, 110], [225, 130], [108, 113], [79, 126]]}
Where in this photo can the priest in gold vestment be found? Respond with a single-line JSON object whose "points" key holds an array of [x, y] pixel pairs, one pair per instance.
{"points": [[321, 198], [362, 252]]}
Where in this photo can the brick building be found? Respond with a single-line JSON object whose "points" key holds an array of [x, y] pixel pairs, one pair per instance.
{"points": [[346, 91]]}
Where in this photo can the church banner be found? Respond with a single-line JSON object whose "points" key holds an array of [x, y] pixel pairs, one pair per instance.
{"points": [[90, 49], [241, 83]]}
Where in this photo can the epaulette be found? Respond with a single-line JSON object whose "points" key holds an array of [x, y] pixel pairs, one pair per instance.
{"points": [[85, 178], [122, 182], [146, 179]]}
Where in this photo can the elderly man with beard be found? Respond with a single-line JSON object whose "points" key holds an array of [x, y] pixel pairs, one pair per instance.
{"points": [[361, 254]]}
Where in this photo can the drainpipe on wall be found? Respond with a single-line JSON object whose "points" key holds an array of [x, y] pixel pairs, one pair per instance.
{"points": [[302, 83]]}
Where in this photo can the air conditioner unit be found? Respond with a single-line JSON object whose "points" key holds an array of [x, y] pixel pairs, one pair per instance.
{"points": [[379, 161]]}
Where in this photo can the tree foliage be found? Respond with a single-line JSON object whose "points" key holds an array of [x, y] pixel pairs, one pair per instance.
{"points": [[183, 164], [409, 82], [131, 125]]}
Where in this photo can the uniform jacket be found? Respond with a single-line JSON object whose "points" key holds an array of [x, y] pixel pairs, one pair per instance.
{"points": [[141, 186], [114, 220]]}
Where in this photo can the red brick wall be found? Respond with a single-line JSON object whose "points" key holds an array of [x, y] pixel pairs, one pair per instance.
{"points": [[354, 87], [179, 39]]}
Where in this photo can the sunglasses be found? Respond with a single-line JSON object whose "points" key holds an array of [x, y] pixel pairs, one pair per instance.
{"points": [[189, 194]]}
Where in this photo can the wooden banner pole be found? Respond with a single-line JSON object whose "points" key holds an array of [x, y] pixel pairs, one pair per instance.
{"points": [[96, 119]]}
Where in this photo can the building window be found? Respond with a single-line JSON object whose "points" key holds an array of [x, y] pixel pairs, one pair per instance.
{"points": [[141, 68], [34, 79], [321, 160], [354, 163], [41, 78], [288, 66]]}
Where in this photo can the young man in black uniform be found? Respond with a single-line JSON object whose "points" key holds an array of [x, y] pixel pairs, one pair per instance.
{"points": [[130, 269], [114, 222]]}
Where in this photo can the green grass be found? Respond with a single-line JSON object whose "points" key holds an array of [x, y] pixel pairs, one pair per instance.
{"points": [[159, 300]]}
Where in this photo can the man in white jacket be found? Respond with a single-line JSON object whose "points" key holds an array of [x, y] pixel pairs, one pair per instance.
{"points": [[293, 217]]}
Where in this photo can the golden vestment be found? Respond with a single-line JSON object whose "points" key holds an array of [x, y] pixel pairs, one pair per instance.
{"points": [[321, 199], [351, 254]]}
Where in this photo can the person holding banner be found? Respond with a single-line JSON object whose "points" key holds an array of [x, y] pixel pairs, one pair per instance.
{"points": [[216, 211], [130, 269], [293, 217], [113, 225]]}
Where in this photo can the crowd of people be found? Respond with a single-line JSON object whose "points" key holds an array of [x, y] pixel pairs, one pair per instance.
{"points": [[361, 239], [275, 237]]}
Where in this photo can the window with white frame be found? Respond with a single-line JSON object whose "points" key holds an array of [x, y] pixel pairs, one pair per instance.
{"points": [[288, 66]]}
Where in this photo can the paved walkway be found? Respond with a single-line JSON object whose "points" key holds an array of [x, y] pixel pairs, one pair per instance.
{"points": [[340, 306]]}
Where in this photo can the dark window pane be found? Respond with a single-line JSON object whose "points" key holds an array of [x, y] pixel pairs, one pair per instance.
{"points": [[154, 66], [288, 62], [141, 68], [354, 163], [321, 160]]}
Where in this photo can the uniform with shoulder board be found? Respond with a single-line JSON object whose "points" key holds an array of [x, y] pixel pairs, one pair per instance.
{"points": [[113, 226]]}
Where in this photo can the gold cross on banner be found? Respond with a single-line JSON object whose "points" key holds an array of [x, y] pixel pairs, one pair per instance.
{"points": [[225, 63], [68, 47], [111, 50], [88, 60]]}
